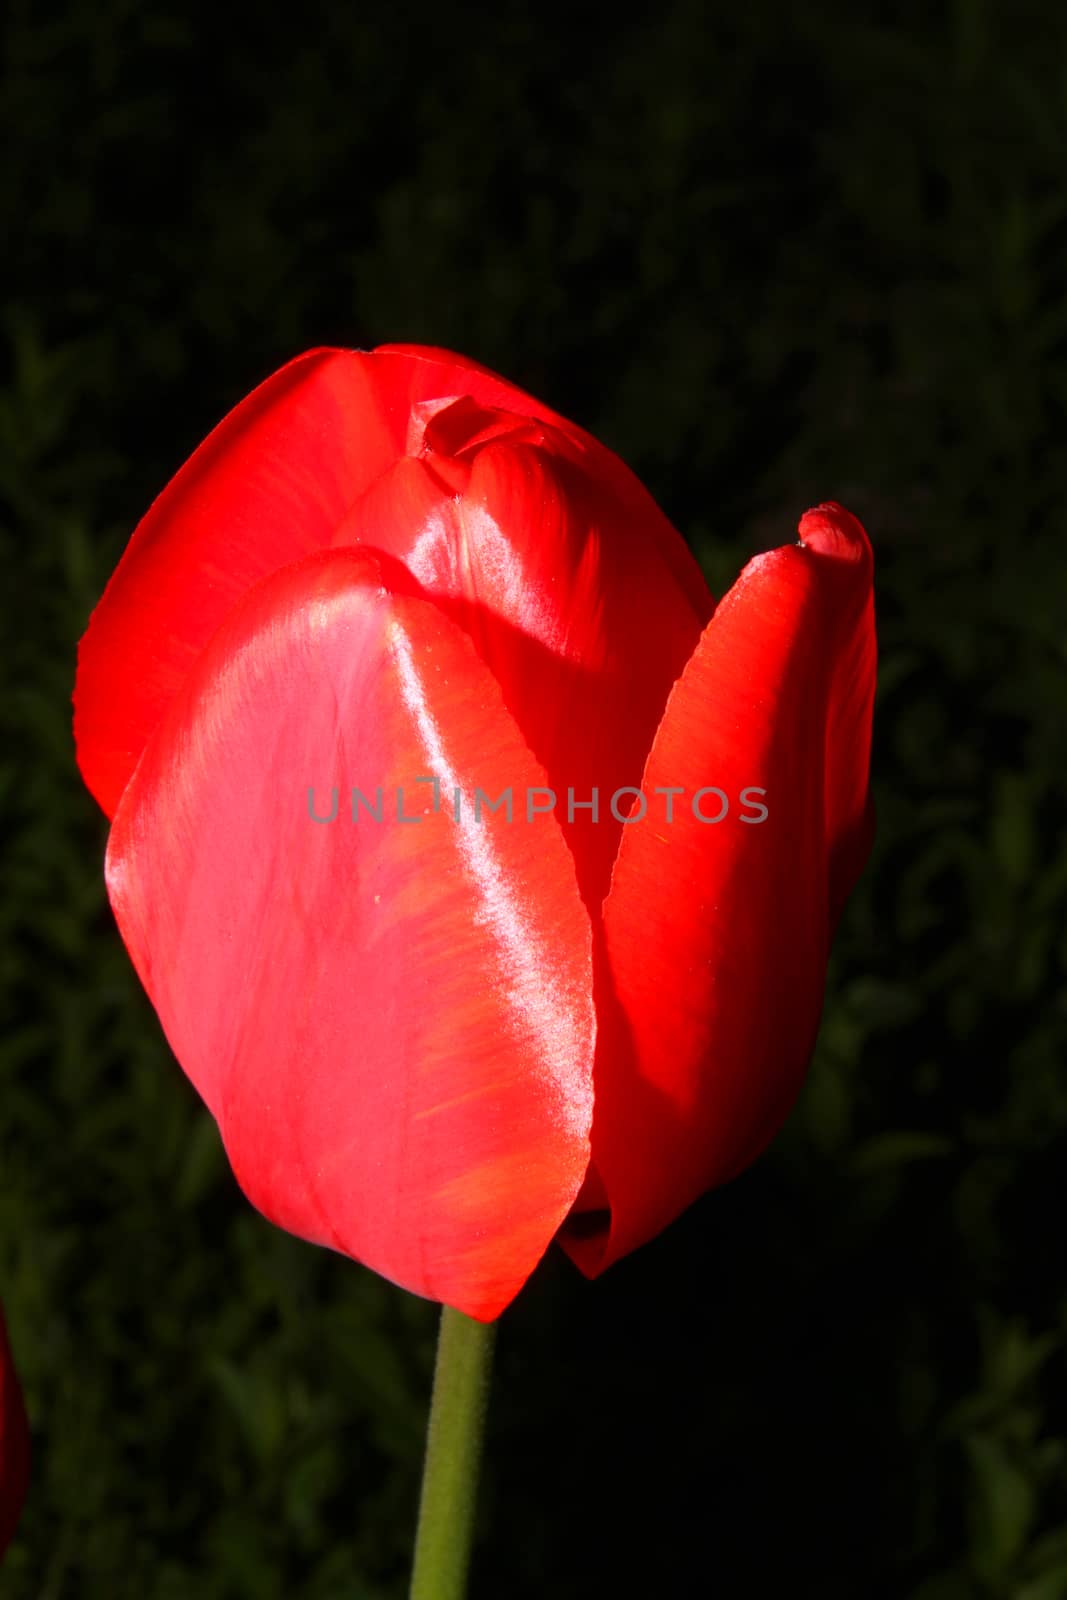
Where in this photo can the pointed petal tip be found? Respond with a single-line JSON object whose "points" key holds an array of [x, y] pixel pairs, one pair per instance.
{"points": [[830, 530]]}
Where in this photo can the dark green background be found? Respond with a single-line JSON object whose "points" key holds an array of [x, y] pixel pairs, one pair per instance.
{"points": [[770, 261]]}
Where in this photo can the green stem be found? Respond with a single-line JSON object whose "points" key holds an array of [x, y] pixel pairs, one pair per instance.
{"points": [[453, 1454]]}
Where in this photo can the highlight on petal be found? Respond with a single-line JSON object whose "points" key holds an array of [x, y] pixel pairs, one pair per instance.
{"points": [[14, 1443], [391, 1020], [716, 933], [562, 586], [441, 372]]}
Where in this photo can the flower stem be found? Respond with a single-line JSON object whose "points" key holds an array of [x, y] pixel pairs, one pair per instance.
{"points": [[453, 1455]]}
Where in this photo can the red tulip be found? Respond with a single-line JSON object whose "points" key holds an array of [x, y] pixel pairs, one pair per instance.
{"points": [[14, 1443], [436, 1046]]}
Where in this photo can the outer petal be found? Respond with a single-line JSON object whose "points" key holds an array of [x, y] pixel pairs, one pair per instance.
{"points": [[14, 1443], [561, 583], [716, 935], [392, 1023], [267, 486]]}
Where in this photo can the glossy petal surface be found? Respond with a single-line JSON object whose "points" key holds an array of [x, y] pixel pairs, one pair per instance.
{"points": [[563, 586], [14, 1443], [392, 1022], [477, 385], [716, 935]]}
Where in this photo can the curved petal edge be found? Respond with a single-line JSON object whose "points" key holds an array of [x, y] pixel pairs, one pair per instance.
{"points": [[388, 1010]]}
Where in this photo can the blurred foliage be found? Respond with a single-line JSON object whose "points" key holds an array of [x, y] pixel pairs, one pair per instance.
{"points": [[772, 260]]}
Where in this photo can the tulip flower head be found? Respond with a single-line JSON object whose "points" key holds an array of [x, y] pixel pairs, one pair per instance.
{"points": [[481, 869], [14, 1443]]}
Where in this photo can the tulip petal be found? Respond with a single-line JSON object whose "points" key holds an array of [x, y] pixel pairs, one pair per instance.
{"points": [[561, 586], [456, 375], [716, 935], [14, 1443], [267, 486], [270, 484], [391, 1022]]}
